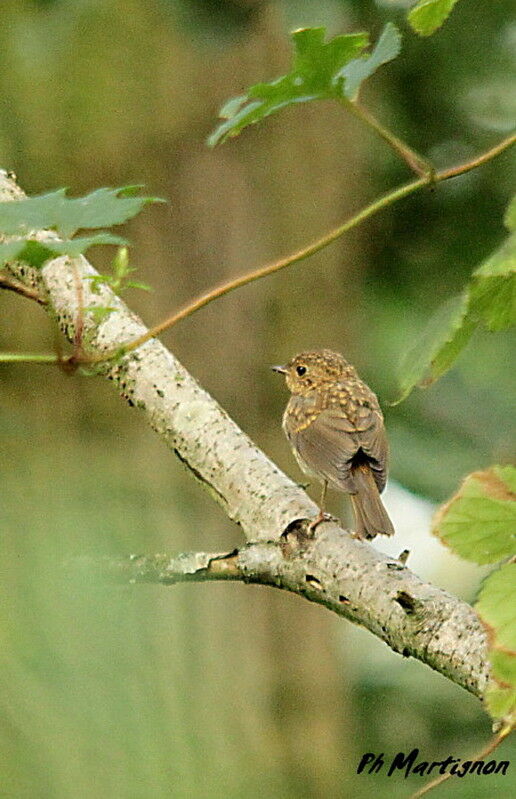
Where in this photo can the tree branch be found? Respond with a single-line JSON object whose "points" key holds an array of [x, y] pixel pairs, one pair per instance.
{"points": [[9, 284], [350, 578], [334, 569]]}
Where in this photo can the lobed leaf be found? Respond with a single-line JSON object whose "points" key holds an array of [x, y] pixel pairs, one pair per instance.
{"points": [[479, 522], [30, 213], [55, 211], [428, 15], [9, 250], [35, 253], [387, 48], [320, 70]]}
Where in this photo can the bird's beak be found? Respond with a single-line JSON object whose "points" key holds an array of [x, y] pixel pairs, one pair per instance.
{"points": [[281, 369]]}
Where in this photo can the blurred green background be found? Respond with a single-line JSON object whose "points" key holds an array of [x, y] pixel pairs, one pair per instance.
{"points": [[230, 690]]}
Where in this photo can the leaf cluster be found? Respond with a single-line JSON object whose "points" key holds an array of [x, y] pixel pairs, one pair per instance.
{"points": [[118, 280], [488, 300], [65, 216], [333, 70], [479, 524]]}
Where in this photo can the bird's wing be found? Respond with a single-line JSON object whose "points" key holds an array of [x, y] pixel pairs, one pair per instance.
{"points": [[372, 439], [329, 444]]}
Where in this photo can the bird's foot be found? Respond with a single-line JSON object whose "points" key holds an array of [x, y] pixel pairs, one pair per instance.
{"points": [[321, 517]]}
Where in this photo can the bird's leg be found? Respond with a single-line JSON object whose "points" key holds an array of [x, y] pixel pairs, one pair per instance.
{"points": [[322, 503], [322, 516]]}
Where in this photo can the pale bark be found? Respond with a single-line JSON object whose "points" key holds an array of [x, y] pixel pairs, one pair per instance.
{"points": [[333, 569]]}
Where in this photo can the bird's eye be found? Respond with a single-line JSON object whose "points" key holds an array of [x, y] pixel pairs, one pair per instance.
{"points": [[301, 370]]}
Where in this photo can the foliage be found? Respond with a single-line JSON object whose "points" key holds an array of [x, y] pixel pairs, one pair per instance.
{"points": [[489, 300], [496, 607], [510, 215], [320, 71], [120, 92], [118, 279], [428, 15], [477, 520], [56, 212], [35, 253], [479, 523]]}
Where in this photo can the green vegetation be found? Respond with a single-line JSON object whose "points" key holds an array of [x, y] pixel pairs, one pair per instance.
{"points": [[144, 681]]}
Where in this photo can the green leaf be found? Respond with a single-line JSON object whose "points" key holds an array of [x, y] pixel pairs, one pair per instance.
{"points": [[133, 190], [320, 70], [99, 312], [496, 606], [36, 253], [100, 280], [120, 263], [479, 521], [500, 702], [101, 208], [136, 284], [78, 246], [493, 288], [30, 213], [9, 250], [428, 15], [489, 299], [510, 215], [446, 334], [118, 279], [503, 664], [387, 48]]}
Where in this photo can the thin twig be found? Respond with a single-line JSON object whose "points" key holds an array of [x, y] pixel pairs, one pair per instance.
{"points": [[416, 162], [331, 569], [264, 271], [10, 284], [79, 322], [491, 746], [499, 148], [429, 179], [29, 357]]}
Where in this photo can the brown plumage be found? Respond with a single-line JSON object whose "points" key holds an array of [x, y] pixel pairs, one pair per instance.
{"points": [[335, 427]]}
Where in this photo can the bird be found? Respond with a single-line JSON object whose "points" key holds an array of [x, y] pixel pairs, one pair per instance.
{"points": [[335, 427]]}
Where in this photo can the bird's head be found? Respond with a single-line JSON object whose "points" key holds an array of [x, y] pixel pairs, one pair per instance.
{"points": [[317, 369]]}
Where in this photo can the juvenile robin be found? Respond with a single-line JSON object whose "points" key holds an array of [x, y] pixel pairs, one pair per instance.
{"points": [[335, 427]]}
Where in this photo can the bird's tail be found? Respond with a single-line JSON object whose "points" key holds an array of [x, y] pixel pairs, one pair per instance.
{"points": [[370, 515]]}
